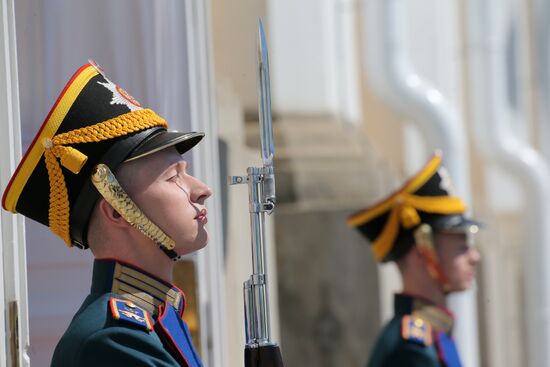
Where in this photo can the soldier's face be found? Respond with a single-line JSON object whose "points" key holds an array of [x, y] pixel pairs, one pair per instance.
{"points": [[170, 197], [457, 258]]}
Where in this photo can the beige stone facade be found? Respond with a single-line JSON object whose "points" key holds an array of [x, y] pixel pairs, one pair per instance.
{"points": [[331, 296]]}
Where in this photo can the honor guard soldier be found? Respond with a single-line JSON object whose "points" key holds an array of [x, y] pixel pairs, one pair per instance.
{"points": [[104, 173], [422, 228]]}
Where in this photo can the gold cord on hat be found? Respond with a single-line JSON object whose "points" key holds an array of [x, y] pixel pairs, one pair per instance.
{"points": [[70, 158], [107, 185], [405, 212]]}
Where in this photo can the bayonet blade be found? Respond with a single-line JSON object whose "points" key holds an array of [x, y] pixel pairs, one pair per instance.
{"points": [[264, 98]]}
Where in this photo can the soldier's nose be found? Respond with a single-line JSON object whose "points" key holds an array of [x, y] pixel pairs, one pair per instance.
{"points": [[475, 255], [200, 192]]}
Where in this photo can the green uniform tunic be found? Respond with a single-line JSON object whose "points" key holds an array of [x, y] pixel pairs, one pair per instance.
{"points": [[418, 335], [130, 318]]}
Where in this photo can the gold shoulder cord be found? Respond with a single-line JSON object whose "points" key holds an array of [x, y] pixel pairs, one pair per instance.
{"points": [[107, 185]]}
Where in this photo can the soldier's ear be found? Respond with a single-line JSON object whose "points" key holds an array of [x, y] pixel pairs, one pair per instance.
{"points": [[110, 215]]}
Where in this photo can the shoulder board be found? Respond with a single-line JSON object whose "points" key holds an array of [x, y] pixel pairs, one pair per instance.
{"points": [[416, 330], [128, 311]]}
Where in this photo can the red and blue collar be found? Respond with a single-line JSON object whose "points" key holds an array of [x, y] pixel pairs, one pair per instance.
{"points": [[136, 285], [441, 319]]}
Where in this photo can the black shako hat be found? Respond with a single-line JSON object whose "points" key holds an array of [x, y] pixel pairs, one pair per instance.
{"points": [[93, 121], [425, 198]]}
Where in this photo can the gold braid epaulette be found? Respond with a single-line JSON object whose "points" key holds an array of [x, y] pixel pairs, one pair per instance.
{"points": [[73, 160]]}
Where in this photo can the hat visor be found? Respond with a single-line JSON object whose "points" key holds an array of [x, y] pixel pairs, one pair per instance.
{"points": [[456, 224], [165, 139]]}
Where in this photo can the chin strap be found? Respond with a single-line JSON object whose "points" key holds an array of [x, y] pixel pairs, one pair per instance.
{"points": [[424, 239], [107, 185]]}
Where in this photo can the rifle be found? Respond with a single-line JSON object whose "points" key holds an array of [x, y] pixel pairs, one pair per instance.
{"points": [[260, 350]]}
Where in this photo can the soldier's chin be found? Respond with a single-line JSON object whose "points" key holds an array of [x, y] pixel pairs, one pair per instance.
{"points": [[202, 238], [198, 243], [463, 286]]}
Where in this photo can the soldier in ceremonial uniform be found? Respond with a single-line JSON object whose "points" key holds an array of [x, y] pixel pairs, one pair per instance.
{"points": [[423, 229], [104, 173]]}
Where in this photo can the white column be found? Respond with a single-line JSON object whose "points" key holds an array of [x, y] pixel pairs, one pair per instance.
{"points": [[313, 58], [13, 284], [207, 168]]}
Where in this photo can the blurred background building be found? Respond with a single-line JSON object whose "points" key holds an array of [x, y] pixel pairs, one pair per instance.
{"points": [[362, 92]]}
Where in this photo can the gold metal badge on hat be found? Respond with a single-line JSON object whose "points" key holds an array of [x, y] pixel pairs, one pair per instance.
{"points": [[107, 185]]}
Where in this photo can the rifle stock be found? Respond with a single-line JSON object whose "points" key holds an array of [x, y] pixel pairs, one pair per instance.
{"points": [[265, 356]]}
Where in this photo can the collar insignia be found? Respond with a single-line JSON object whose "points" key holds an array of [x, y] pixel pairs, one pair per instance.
{"points": [[439, 318], [144, 290]]}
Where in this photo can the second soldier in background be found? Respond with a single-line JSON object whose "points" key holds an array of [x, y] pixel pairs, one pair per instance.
{"points": [[422, 228]]}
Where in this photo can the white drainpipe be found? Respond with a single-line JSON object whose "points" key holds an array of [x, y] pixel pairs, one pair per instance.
{"points": [[393, 78], [541, 26], [498, 144]]}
